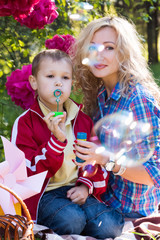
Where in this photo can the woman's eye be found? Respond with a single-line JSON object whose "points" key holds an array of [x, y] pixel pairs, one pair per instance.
{"points": [[109, 48]]}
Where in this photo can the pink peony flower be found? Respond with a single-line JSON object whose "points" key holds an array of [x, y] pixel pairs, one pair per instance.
{"points": [[16, 7], [44, 12], [19, 88], [61, 42]]}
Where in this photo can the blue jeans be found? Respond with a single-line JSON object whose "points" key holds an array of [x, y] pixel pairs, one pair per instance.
{"points": [[93, 218], [133, 215]]}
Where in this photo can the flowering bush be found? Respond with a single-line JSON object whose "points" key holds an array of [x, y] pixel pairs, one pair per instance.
{"points": [[44, 12], [19, 88], [61, 42], [16, 7]]}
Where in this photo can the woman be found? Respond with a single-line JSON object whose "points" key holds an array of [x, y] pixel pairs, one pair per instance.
{"points": [[114, 76]]}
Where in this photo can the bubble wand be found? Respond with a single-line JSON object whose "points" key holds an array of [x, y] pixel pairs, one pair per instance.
{"points": [[57, 93]]}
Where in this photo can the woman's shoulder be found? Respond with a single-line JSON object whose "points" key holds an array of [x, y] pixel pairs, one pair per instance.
{"points": [[143, 101], [138, 91]]}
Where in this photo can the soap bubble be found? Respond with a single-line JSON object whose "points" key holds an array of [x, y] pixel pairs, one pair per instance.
{"points": [[77, 17], [81, 12], [128, 141], [86, 5], [93, 51], [90, 170]]}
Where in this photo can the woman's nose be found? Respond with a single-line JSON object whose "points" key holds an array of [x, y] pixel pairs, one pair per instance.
{"points": [[100, 55]]}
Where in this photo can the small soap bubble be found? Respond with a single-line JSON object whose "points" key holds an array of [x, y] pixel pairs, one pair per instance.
{"points": [[93, 51], [89, 62], [77, 17], [86, 5], [90, 170], [81, 13], [128, 141], [85, 61], [96, 48]]}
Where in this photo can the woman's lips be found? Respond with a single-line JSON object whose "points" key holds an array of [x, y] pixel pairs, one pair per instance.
{"points": [[100, 66]]}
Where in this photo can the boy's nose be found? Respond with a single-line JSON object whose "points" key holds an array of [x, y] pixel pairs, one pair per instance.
{"points": [[58, 84]]}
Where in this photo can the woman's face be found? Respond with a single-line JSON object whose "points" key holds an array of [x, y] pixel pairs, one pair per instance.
{"points": [[105, 65]]}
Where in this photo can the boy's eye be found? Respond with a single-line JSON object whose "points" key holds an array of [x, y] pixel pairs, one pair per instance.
{"points": [[66, 77], [50, 76]]}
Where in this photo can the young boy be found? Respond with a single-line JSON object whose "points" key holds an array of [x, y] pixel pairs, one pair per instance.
{"points": [[64, 204]]}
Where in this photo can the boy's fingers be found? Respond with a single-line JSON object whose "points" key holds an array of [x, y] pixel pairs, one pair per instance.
{"points": [[48, 116]]}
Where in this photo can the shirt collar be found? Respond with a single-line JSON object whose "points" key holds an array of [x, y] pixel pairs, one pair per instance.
{"points": [[72, 109], [115, 94]]}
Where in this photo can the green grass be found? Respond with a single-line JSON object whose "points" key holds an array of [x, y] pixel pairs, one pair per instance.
{"points": [[156, 72]]}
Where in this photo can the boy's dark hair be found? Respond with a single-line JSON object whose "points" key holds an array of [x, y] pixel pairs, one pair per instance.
{"points": [[54, 54]]}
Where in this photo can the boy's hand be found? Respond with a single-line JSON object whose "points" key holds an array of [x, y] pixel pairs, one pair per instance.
{"points": [[78, 194], [56, 125]]}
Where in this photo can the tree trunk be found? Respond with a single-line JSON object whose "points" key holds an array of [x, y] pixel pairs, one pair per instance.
{"points": [[152, 33]]}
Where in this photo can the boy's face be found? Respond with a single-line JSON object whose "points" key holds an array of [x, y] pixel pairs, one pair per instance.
{"points": [[53, 75]]}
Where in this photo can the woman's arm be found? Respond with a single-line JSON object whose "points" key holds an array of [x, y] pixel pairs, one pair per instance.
{"points": [[88, 152], [137, 174]]}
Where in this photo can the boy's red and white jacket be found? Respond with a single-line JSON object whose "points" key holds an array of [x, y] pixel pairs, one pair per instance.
{"points": [[43, 152]]}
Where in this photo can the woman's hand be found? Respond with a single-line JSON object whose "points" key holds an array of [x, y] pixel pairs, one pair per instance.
{"points": [[88, 151], [56, 125]]}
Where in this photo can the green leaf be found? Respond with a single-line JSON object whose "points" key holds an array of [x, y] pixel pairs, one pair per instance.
{"points": [[127, 2], [1, 73], [21, 43]]}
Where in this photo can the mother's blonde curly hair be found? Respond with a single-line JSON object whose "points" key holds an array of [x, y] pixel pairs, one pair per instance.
{"points": [[129, 54]]}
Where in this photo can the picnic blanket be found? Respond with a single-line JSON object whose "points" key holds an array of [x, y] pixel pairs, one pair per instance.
{"points": [[147, 228]]}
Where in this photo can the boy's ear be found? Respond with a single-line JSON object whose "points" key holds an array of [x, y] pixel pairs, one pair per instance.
{"points": [[33, 82]]}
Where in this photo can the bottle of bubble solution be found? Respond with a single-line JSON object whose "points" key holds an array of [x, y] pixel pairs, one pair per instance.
{"points": [[81, 136], [88, 170]]}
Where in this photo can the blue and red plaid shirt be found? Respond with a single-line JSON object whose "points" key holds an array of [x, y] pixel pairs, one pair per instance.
{"points": [[121, 193]]}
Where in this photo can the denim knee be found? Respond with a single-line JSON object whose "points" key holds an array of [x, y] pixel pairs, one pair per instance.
{"points": [[69, 219], [102, 221], [106, 225]]}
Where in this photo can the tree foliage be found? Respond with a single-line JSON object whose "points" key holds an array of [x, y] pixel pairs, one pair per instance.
{"points": [[145, 14], [19, 44]]}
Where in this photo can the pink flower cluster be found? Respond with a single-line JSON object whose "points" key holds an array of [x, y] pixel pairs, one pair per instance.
{"points": [[44, 12], [19, 88], [32, 13], [16, 7], [61, 42]]}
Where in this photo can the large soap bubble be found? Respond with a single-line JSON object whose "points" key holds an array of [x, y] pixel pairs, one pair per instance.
{"points": [[129, 142]]}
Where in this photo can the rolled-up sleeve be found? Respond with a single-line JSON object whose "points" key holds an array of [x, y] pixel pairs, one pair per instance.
{"points": [[145, 109]]}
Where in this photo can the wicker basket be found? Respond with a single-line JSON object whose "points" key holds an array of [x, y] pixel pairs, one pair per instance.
{"points": [[14, 226]]}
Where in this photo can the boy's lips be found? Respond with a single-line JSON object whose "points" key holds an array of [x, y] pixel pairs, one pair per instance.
{"points": [[58, 92]]}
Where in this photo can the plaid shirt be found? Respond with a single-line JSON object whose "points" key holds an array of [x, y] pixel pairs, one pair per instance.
{"points": [[121, 193]]}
